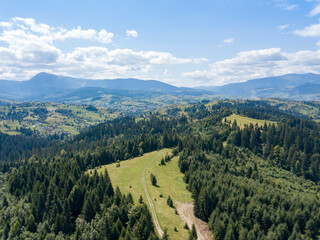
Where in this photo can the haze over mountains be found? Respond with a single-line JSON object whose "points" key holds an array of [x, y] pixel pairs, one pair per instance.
{"points": [[49, 87], [290, 86], [44, 86]]}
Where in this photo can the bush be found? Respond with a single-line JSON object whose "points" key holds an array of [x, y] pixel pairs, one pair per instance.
{"points": [[163, 162], [170, 202]]}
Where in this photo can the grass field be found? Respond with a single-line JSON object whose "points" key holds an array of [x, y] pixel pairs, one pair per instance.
{"points": [[242, 121], [129, 178]]}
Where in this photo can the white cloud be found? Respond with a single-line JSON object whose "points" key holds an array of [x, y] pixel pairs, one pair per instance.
{"points": [[166, 72], [49, 34], [282, 27], [309, 31], [285, 5], [31, 48], [5, 24], [315, 11], [104, 36], [228, 40], [132, 33], [257, 64], [290, 7]]}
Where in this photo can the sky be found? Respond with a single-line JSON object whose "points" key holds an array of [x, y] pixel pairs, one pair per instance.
{"points": [[185, 43]]}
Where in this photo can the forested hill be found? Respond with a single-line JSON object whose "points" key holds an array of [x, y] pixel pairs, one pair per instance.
{"points": [[254, 181]]}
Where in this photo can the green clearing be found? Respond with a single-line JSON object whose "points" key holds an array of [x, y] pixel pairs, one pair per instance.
{"points": [[128, 177], [242, 121]]}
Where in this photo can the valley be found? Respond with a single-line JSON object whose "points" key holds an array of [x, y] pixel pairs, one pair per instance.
{"points": [[186, 171], [160, 120]]}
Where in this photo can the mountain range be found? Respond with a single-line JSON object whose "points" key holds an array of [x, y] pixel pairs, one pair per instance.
{"points": [[50, 87], [290, 86], [44, 86]]}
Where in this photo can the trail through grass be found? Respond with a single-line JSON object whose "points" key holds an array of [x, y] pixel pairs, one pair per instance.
{"points": [[134, 176]]}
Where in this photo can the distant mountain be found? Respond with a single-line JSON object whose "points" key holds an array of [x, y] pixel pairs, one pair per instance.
{"points": [[308, 88], [50, 87], [290, 86], [44, 86]]}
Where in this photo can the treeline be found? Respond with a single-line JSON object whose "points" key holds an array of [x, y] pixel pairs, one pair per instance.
{"points": [[123, 139], [51, 195], [131, 138], [60, 199], [292, 144], [232, 188], [232, 194], [21, 147], [255, 109]]}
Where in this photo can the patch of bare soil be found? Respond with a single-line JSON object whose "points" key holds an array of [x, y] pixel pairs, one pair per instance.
{"points": [[185, 211]]}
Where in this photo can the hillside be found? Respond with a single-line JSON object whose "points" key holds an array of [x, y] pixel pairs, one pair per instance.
{"points": [[46, 119], [242, 181], [134, 176]]}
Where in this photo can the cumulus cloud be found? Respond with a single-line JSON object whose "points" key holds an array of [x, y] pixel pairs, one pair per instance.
{"points": [[257, 64], [228, 40], [309, 31], [30, 47], [132, 33]]}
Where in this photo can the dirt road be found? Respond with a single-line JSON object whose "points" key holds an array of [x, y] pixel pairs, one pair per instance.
{"points": [[185, 211], [153, 211]]}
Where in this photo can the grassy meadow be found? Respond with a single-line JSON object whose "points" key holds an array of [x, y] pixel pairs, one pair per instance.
{"points": [[128, 177], [242, 121]]}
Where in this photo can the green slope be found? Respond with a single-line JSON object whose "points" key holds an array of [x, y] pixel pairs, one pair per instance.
{"points": [[129, 178]]}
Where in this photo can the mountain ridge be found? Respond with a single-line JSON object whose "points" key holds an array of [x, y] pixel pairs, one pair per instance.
{"points": [[284, 86], [47, 87], [44, 84]]}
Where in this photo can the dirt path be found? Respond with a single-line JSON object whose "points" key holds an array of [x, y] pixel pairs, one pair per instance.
{"points": [[185, 211], [153, 211]]}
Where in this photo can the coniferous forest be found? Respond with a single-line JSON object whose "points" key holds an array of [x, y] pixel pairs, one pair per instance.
{"points": [[255, 181]]}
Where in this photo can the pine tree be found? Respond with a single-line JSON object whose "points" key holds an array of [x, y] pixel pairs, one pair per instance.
{"points": [[193, 234], [31, 224], [140, 199], [170, 202], [153, 179]]}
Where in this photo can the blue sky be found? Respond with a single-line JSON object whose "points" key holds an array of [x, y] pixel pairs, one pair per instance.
{"points": [[185, 43]]}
